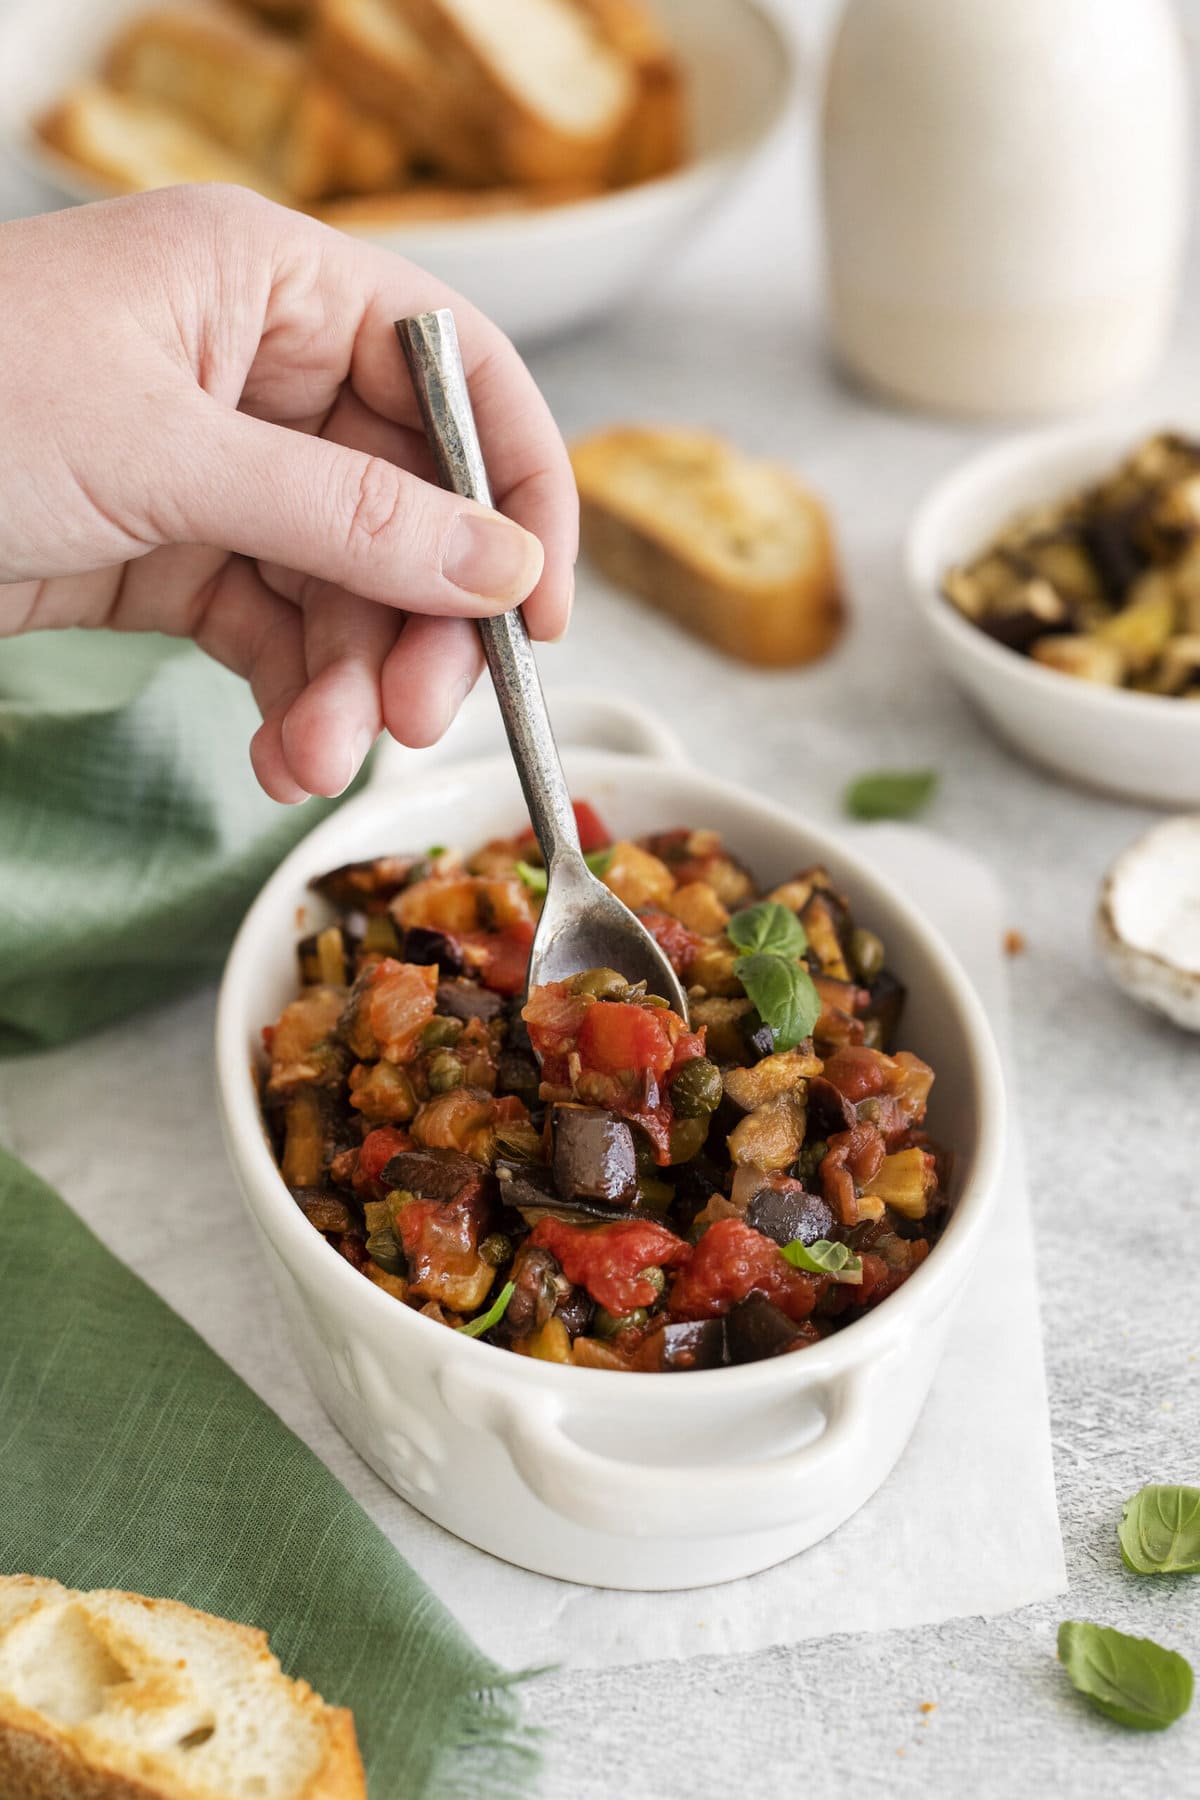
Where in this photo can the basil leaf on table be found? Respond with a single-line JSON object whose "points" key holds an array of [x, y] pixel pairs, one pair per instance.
{"points": [[1160, 1531], [891, 793], [769, 926], [1130, 1679], [826, 1258], [784, 994], [493, 1315], [535, 878]]}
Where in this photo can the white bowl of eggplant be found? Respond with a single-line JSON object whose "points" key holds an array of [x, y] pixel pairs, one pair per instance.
{"points": [[661, 1449], [1058, 575]]}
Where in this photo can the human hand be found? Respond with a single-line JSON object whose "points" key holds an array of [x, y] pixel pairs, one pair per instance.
{"points": [[209, 431]]}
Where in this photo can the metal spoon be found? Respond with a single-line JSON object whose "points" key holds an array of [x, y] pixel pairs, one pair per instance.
{"points": [[583, 925]]}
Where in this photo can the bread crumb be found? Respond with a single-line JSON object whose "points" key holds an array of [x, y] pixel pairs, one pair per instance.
{"points": [[927, 1706], [1014, 943]]}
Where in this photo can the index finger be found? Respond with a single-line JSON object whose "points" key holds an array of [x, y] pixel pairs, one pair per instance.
{"points": [[527, 461]]}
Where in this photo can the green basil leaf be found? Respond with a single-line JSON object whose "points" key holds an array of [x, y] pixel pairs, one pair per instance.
{"points": [[826, 1258], [1130, 1679], [784, 994], [535, 877], [891, 793], [434, 851], [493, 1315], [1160, 1531], [767, 927]]}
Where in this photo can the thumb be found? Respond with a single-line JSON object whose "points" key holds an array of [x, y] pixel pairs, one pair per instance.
{"points": [[300, 501]]}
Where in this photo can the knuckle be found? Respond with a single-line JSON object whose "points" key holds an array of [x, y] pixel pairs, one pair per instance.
{"points": [[378, 506]]}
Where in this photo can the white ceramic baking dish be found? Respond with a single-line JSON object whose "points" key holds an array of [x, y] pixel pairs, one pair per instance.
{"points": [[1139, 746], [635, 1481]]}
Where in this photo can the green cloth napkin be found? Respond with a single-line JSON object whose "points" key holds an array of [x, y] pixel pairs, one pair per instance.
{"points": [[131, 1456], [133, 834], [132, 837]]}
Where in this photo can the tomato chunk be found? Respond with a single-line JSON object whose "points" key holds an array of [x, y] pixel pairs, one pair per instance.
{"points": [[733, 1260], [678, 944], [378, 1149], [501, 958], [608, 1259], [618, 1039]]}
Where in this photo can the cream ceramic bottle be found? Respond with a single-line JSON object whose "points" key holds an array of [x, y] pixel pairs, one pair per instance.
{"points": [[1005, 187]]}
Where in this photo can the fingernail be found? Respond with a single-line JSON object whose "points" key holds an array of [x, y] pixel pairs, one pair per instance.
{"points": [[490, 556], [455, 698], [566, 625]]}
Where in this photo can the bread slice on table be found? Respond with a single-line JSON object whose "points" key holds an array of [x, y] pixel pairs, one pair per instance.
{"points": [[254, 93], [733, 548], [654, 138], [134, 144], [109, 1696], [536, 79]]}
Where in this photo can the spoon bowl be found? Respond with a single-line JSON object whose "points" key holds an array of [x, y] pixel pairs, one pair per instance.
{"points": [[584, 926]]}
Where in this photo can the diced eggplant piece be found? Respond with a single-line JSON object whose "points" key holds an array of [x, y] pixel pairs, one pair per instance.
{"points": [[536, 1279], [310, 1139], [432, 1174], [756, 1329], [421, 945], [1142, 627], [788, 1214], [516, 1031], [760, 1039], [594, 1156], [462, 999], [829, 1111], [692, 1344], [886, 1005], [576, 1310], [517, 1073], [772, 1135], [1179, 667], [525, 1184], [327, 1210], [1109, 538], [782, 1072], [722, 1020], [1084, 656], [357, 883]]}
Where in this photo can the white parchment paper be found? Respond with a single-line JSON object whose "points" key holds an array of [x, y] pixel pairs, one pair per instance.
{"points": [[124, 1126]]}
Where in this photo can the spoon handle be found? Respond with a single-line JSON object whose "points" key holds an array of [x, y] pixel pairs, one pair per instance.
{"points": [[430, 344]]}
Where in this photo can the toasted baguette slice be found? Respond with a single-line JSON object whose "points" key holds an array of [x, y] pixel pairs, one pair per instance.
{"points": [[108, 1696], [131, 144], [427, 202], [374, 55], [734, 549], [654, 139], [535, 77], [253, 93]]}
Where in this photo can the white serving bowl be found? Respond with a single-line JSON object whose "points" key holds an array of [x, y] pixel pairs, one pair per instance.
{"points": [[535, 273], [1138, 746], [619, 1480]]}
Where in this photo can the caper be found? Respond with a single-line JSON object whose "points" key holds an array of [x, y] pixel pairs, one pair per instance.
{"points": [[445, 1072], [440, 1032], [696, 1090], [378, 1214], [383, 1247], [607, 1325], [380, 935], [602, 984], [866, 953], [496, 1249], [810, 1159], [654, 1275]]}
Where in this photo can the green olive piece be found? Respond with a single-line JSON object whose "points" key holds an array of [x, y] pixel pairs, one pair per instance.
{"points": [[383, 1247], [866, 953], [688, 1138], [607, 1325], [696, 1090], [440, 1033], [445, 1072], [602, 984]]}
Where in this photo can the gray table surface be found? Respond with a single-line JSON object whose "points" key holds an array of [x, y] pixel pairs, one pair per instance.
{"points": [[732, 337]]}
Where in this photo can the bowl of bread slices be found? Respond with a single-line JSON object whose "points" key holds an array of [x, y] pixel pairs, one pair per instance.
{"points": [[538, 155]]}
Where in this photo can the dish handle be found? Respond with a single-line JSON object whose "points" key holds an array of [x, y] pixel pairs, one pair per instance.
{"points": [[607, 1493], [583, 719]]}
